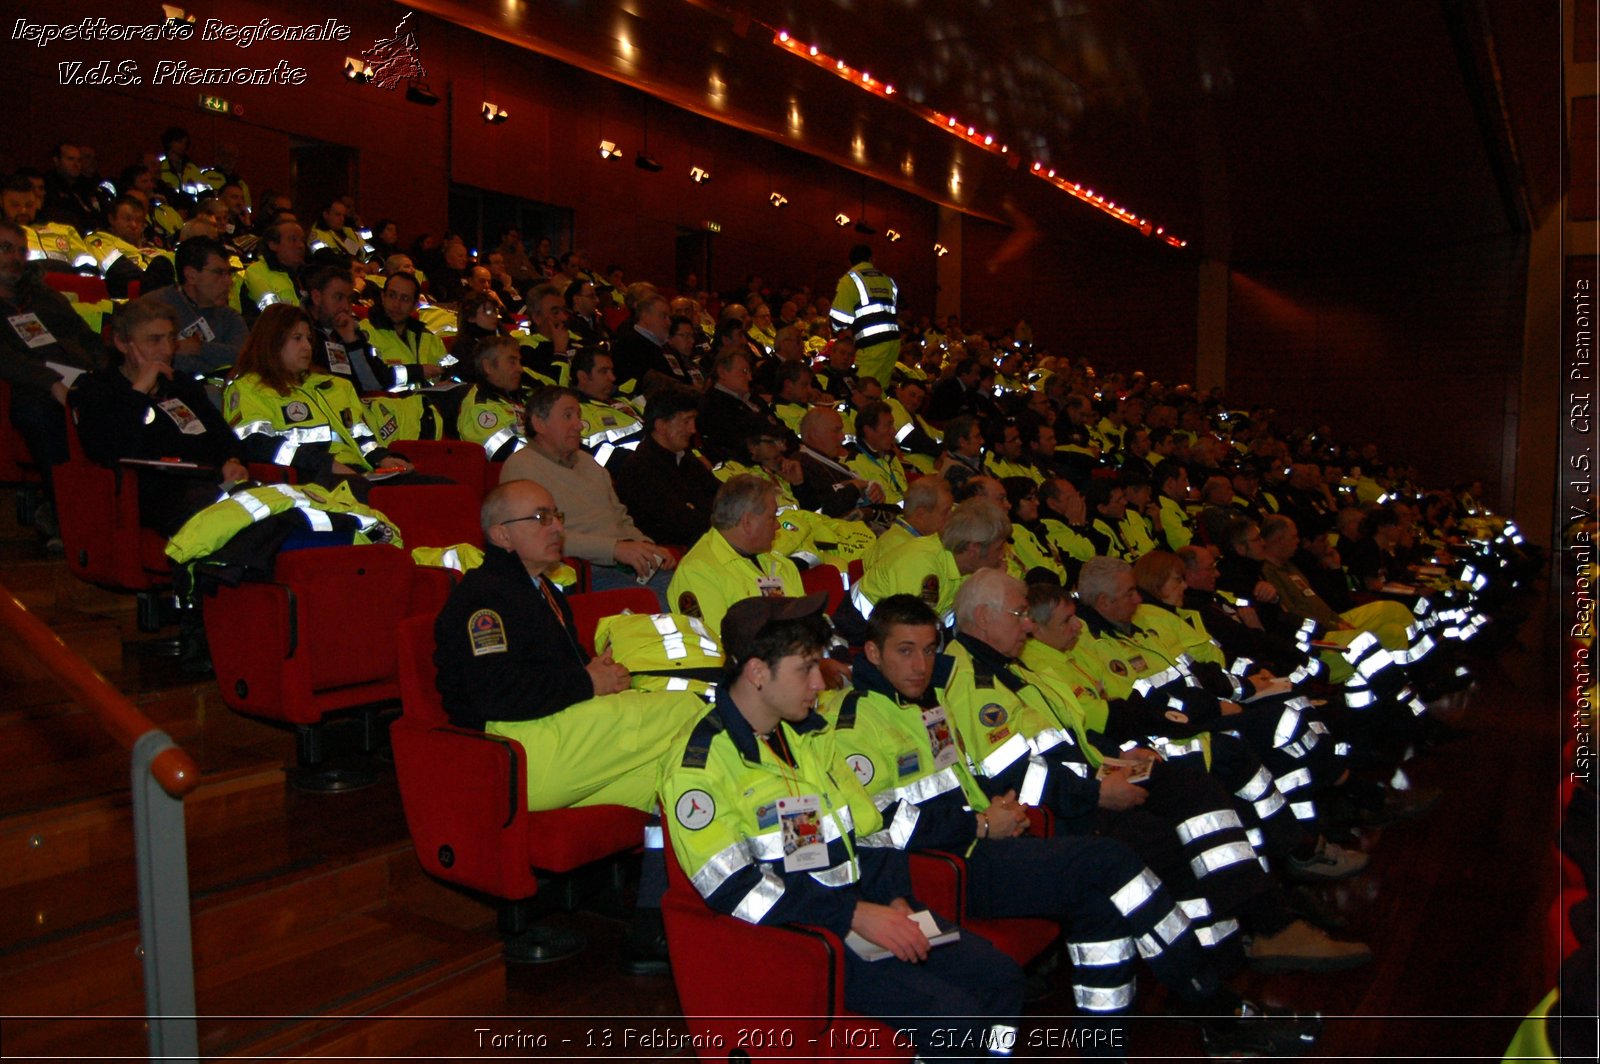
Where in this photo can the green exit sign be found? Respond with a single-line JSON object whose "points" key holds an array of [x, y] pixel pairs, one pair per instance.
{"points": [[215, 104]]}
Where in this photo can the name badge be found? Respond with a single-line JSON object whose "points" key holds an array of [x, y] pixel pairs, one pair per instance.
{"points": [[338, 358], [201, 328], [939, 737], [801, 820], [186, 420], [32, 331], [770, 586]]}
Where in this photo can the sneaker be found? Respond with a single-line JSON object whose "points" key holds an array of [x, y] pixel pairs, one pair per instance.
{"points": [[1328, 863], [1260, 1031], [1302, 948], [44, 520]]}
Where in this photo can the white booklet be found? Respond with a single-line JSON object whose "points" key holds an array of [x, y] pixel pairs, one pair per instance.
{"points": [[937, 936]]}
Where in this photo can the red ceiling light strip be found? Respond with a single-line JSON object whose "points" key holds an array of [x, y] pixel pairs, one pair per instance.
{"points": [[974, 136]]}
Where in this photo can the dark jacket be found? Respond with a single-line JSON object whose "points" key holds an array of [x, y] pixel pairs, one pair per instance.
{"points": [[502, 652], [73, 342], [669, 495]]}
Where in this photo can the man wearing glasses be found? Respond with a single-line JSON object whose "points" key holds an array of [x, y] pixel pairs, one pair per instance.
{"points": [[510, 663], [210, 333]]}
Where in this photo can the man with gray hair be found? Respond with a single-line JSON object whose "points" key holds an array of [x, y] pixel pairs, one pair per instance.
{"points": [[933, 567], [1026, 731], [735, 559], [926, 512]]}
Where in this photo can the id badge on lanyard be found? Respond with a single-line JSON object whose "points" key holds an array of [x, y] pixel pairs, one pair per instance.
{"points": [[801, 820], [940, 737]]}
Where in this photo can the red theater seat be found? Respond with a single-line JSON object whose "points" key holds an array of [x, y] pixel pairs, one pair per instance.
{"points": [[786, 982], [457, 460], [940, 882], [98, 509], [465, 799], [16, 462], [825, 578], [84, 288], [431, 515], [589, 607], [318, 639]]}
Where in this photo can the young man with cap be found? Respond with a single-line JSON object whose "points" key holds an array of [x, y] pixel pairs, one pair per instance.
{"points": [[771, 826]]}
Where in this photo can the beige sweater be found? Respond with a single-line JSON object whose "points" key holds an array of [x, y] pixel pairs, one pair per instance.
{"points": [[596, 518]]}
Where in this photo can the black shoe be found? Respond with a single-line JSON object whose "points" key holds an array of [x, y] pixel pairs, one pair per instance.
{"points": [[1308, 907], [644, 951], [1400, 805], [1260, 1031]]}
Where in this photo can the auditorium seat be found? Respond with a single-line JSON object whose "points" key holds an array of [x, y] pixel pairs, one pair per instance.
{"points": [[464, 794], [589, 607], [318, 640], [825, 578], [431, 515], [940, 882], [98, 508], [735, 977], [454, 460]]}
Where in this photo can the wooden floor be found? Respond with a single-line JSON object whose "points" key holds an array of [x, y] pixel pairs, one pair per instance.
{"points": [[317, 935]]}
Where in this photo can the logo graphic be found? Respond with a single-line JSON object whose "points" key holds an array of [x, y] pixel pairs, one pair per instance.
{"points": [[296, 411], [861, 765], [395, 59], [992, 715], [695, 809]]}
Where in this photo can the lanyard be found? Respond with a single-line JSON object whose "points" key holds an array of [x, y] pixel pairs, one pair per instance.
{"points": [[894, 481]]}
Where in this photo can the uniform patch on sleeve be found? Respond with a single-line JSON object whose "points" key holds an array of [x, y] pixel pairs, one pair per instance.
{"points": [[695, 809], [389, 428], [930, 589], [992, 715], [487, 419], [233, 401], [488, 633], [862, 766], [1118, 667], [296, 411], [688, 604]]}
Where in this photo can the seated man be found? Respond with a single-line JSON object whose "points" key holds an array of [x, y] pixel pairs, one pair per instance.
{"points": [[663, 481], [275, 276], [896, 737], [492, 413], [734, 560], [401, 341], [730, 413], [760, 769], [600, 529], [210, 333], [510, 663], [608, 423], [42, 332], [829, 485], [1026, 732], [142, 410], [926, 512], [1066, 519], [933, 567], [1175, 527], [120, 248], [876, 458]]}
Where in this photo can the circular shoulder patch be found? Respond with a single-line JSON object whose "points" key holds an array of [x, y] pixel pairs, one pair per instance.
{"points": [[296, 411], [695, 809], [487, 419], [688, 604], [930, 589], [1118, 667], [861, 765], [992, 715]]}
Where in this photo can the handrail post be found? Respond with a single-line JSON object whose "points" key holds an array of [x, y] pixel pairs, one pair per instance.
{"points": [[161, 848]]}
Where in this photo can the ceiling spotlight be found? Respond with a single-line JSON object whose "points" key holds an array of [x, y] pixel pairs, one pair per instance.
{"points": [[778, 199], [783, 35], [357, 70], [893, 235], [841, 219], [888, 90], [940, 250], [609, 150], [698, 175], [493, 114], [175, 14], [419, 92], [645, 162]]}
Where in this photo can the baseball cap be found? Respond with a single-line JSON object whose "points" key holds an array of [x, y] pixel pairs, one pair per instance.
{"points": [[745, 619]]}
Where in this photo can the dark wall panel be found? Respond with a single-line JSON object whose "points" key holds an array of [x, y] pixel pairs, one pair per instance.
{"points": [[1418, 353]]}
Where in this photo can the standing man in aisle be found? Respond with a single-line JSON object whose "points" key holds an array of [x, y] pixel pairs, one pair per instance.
{"points": [[866, 306]]}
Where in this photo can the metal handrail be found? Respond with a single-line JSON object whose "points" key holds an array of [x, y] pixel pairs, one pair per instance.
{"points": [[161, 775]]}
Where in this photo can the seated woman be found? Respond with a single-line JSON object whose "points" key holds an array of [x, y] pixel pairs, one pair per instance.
{"points": [[140, 410], [1033, 557], [290, 415]]}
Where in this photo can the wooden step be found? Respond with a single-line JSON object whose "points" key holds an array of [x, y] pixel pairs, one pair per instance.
{"points": [[96, 638]]}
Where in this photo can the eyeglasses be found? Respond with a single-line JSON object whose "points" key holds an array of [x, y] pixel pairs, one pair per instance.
{"points": [[543, 518], [1020, 613]]}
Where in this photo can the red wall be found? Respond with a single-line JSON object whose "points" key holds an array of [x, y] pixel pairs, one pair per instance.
{"points": [[409, 154], [1420, 353]]}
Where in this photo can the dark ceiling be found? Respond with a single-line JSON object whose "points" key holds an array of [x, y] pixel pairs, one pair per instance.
{"points": [[1257, 130]]}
